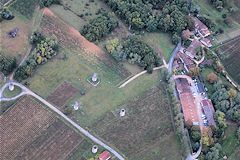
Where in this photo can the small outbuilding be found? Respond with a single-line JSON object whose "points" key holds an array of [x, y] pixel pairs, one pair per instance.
{"points": [[104, 156]]}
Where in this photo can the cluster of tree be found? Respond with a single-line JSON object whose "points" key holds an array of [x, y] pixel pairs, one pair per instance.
{"points": [[45, 49], [226, 100], [100, 26], [172, 16], [6, 14], [221, 124], [212, 77], [214, 152], [195, 136], [7, 64], [218, 4], [135, 13], [47, 3], [134, 51]]}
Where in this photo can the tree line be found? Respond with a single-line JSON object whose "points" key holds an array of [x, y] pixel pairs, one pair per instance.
{"points": [[134, 51]]}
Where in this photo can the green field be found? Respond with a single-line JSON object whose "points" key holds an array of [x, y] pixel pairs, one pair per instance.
{"points": [[161, 42]]}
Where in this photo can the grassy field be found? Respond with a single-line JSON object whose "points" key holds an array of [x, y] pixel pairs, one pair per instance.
{"points": [[229, 145], [161, 42], [147, 126], [19, 45]]}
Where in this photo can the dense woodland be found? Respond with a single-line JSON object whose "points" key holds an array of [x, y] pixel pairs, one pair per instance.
{"points": [[134, 51], [100, 26], [154, 15]]}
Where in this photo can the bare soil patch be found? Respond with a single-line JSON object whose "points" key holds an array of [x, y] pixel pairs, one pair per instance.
{"points": [[62, 95]]}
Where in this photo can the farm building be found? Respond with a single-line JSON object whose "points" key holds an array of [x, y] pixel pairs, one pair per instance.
{"points": [[206, 42], [104, 156], [208, 110], [187, 102], [187, 61], [191, 50], [201, 28]]}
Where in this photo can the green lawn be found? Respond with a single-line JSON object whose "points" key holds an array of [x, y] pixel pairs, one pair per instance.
{"points": [[161, 42], [229, 144], [8, 94]]}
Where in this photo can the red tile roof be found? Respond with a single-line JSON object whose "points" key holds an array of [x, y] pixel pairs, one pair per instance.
{"points": [[187, 101], [104, 156], [206, 42], [188, 62], [202, 28], [191, 50]]}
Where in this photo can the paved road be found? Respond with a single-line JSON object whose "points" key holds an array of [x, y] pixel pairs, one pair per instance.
{"points": [[170, 63], [79, 128]]}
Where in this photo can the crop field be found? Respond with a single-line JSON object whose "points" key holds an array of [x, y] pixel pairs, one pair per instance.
{"points": [[146, 126], [62, 95], [21, 124], [29, 131], [56, 142], [230, 55]]}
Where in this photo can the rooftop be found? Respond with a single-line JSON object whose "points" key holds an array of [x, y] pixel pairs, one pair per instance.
{"points": [[208, 111], [192, 48], [202, 28], [104, 156]]}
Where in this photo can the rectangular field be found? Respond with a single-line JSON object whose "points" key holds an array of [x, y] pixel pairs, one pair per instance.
{"points": [[62, 95], [145, 127], [20, 125], [230, 55], [56, 142], [28, 131]]}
